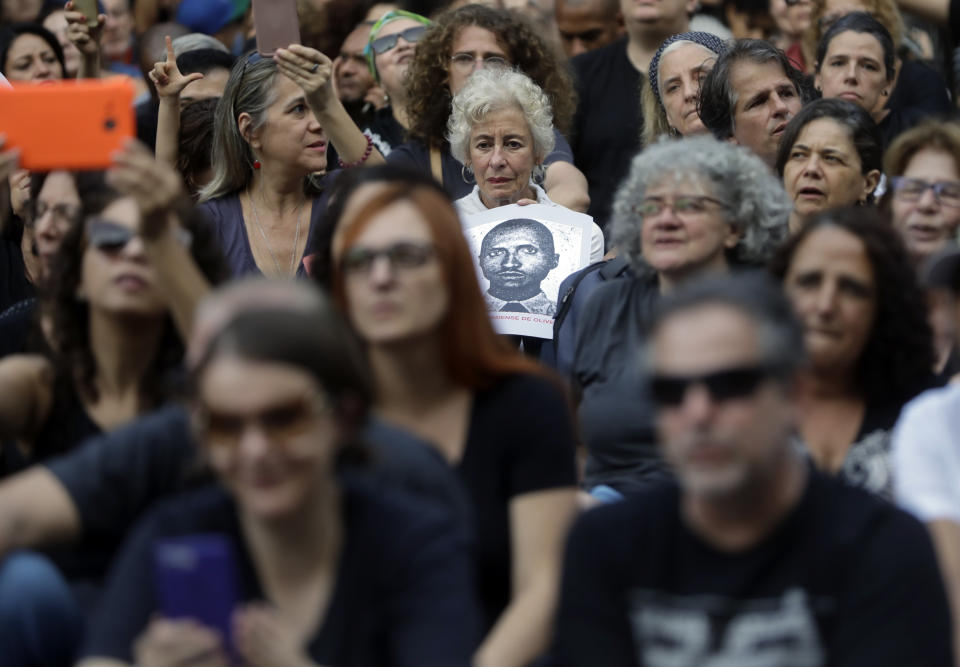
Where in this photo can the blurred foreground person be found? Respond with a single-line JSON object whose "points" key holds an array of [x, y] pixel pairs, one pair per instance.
{"points": [[754, 557], [330, 569]]}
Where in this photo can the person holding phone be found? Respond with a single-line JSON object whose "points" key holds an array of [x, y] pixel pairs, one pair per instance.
{"points": [[271, 131], [330, 569]]}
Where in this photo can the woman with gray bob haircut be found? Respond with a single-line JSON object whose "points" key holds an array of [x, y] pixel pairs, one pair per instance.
{"points": [[501, 130], [689, 209]]}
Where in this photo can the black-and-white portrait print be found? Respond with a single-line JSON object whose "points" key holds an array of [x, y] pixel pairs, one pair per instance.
{"points": [[522, 254], [515, 258]]}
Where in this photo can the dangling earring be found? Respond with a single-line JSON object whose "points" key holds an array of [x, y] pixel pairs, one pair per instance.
{"points": [[256, 164]]}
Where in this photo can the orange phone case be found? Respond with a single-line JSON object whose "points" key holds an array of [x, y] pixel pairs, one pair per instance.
{"points": [[67, 124], [276, 24]]}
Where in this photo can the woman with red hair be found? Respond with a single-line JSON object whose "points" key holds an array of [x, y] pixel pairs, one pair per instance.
{"points": [[404, 275]]}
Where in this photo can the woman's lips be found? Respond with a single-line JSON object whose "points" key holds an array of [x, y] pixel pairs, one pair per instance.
{"points": [[318, 146]]}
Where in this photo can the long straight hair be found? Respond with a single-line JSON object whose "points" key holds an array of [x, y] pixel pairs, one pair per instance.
{"points": [[472, 353]]}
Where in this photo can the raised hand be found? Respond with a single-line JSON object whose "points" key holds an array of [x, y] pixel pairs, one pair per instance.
{"points": [[9, 158], [85, 38], [166, 76], [309, 69], [155, 186]]}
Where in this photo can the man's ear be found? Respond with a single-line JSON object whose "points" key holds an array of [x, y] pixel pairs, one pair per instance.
{"points": [[556, 261]]}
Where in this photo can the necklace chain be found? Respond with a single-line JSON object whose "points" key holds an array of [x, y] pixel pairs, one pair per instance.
{"points": [[296, 238]]}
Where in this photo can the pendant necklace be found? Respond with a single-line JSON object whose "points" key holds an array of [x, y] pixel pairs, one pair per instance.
{"points": [[296, 238]]}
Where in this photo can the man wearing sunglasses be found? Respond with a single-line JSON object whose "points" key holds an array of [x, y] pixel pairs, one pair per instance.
{"points": [[752, 557]]}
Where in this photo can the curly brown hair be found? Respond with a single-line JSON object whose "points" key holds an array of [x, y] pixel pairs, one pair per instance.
{"points": [[427, 88]]}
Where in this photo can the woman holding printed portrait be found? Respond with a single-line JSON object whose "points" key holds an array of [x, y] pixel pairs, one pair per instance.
{"points": [[501, 130]]}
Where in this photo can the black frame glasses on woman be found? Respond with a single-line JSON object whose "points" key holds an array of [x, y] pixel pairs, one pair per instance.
{"points": [[359, 260], [468, 61], [412, 34], [912, 189]]}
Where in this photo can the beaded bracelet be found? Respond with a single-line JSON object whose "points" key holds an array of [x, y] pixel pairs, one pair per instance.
{"points": [[363, 158]]}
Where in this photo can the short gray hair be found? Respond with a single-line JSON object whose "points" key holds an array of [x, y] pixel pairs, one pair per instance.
{"points": [[495, 89], [192, 42], [756, 203]]}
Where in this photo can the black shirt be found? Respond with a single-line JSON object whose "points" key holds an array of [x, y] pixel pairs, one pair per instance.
{"points": [[844, 579], [608, 122], [14, 286], [402, 594], [520, 440]]}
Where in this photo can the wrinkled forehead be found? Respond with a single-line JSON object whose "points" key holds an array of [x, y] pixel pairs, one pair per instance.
{"points": [[749, 78]]}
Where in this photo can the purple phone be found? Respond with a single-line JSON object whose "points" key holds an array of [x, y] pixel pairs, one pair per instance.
{"points": [[196, 579]]}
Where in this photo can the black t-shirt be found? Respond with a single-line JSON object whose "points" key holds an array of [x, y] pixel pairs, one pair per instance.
{"points": [[14, 285], [16, 327], [919, 94], [608, 122], [384, 130], [520, 440], [402, 594], [617, 417], [845, 579]]}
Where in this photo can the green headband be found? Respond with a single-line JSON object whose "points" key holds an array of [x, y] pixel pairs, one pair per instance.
{"points": [[392, 15]]}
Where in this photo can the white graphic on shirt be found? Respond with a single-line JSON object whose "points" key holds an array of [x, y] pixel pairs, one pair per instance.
{"points": [[716, 632]]}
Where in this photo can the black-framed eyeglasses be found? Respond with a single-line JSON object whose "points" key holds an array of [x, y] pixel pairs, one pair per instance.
{"points": [[722, 385], [383, 44], [403, 255], [684, 206], [467, 61], [65, 214], [912, 189]]}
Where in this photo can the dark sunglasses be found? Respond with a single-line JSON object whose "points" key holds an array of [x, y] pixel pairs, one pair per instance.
{"points": [[404, 255], [723, 385], [108, 237], [383, 44]]}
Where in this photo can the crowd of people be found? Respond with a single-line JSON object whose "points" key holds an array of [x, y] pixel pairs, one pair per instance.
{"points": [[256, 405]]}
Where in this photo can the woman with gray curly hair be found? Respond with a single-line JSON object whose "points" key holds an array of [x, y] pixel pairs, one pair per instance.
{"points": [[500, 130], [688, 208]]}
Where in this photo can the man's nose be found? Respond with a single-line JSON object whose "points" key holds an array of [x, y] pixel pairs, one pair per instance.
{"points": [[511, 259]]}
